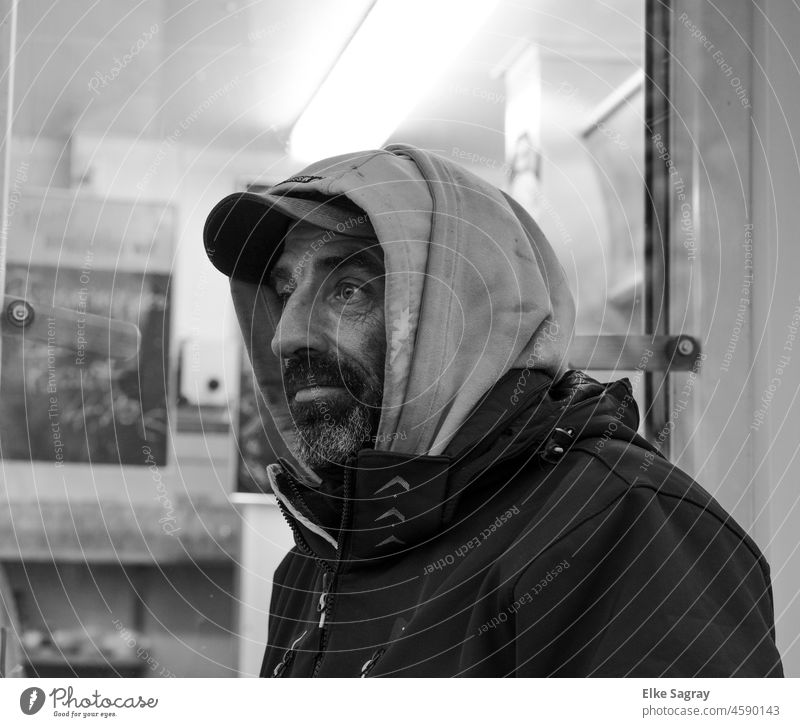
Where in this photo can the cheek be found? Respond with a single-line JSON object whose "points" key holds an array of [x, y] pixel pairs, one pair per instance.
{"points": [[364, 336], [376, 342]]}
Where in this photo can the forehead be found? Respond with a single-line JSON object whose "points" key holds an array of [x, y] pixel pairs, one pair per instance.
{"points": [[313, 245]]}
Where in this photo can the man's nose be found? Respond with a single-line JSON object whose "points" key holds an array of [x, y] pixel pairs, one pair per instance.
{"points": [[301, 327]]}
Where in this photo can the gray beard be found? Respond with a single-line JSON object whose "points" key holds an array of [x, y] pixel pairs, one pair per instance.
{"points": [[323, 442]]}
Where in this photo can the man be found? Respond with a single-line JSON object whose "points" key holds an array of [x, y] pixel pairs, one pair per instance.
{"points": [[462, 506]]}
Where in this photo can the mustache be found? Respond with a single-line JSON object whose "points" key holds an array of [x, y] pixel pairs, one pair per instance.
{"points": [[325, 370]]}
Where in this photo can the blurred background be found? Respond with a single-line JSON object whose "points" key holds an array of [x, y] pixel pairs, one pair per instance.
{"points": [[650, 140]]}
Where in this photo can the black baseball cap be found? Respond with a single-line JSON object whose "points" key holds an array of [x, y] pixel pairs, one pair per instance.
{"points": [[243, 234]]}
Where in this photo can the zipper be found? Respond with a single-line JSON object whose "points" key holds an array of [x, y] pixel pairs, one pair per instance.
{"points": [[301, 541], [322, 605], [326, 600], [288, 657], [369, 664], [328, 573]]}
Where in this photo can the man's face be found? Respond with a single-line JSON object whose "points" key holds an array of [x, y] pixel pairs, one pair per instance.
{"points": [[331, 340]]}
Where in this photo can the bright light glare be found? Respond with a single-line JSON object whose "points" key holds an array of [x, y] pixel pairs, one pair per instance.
{"points": [[398, 53]]}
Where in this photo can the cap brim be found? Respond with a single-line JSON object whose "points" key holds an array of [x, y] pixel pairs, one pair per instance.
{"points": [[243, 234]]}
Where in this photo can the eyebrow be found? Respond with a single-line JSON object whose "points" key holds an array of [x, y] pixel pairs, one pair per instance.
{"points": [[362, 260]]}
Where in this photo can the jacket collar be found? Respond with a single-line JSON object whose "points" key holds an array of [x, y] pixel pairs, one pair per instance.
{"points": [[392, 502]]}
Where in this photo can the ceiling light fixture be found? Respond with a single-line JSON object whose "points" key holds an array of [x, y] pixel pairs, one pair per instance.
{"points": [[401, 49]]}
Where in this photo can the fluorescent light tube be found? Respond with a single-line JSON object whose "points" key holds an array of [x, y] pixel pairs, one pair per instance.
{"points": [[395, 57]]}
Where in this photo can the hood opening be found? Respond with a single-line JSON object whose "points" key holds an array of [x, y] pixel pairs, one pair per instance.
{"points": [[473, 288]]}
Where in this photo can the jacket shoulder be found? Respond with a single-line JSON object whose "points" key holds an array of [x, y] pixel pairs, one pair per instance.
{"points": [[636, 570], [637, 468], [652, 585], [611, 487]]}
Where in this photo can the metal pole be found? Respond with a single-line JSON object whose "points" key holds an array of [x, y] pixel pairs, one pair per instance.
{"points": [[657, 209]]}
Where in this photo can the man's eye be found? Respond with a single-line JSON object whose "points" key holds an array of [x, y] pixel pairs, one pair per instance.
{"points": [[283, 296], [347, 291]]}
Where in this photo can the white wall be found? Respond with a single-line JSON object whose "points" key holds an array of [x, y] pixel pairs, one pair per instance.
{"points": [[776, 309], [266, 538], [736, 95]]}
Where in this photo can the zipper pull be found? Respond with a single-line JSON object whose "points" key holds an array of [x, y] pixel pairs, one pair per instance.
{"points": [[288, 657], [282, 664], [369, 664], [327, 578]]}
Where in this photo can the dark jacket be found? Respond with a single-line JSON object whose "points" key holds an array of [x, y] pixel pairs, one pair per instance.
{"points": [[548, 540]]}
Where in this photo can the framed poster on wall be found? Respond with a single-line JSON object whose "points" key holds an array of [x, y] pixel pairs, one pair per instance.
{"points": [[80, 404]]}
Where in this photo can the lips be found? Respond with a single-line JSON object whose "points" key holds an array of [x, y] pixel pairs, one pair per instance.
{"points": [[317, 392], [292, 391], [323, 378]]}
